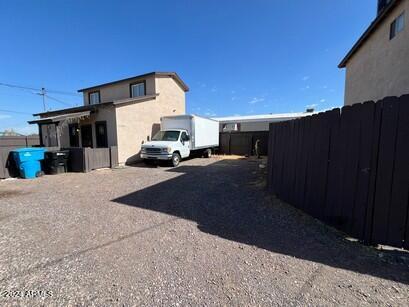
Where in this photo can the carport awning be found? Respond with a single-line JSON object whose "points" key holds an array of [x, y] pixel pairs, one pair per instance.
{"points": [[58, 118]]}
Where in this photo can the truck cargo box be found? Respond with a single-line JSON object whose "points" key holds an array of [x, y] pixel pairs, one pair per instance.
{"points": [[204, 132]]}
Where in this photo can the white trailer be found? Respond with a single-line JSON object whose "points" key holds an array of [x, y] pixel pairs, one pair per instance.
{"points": [[180, 136]]}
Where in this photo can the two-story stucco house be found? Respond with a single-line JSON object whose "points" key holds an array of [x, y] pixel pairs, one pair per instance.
{"points": [[378, 64], [123, 113]]}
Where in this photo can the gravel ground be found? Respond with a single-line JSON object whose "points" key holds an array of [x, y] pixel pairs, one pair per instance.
{"points": [[205, 233]]}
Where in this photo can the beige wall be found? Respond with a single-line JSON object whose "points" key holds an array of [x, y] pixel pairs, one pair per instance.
{"points": [[130, 124], [107, 114], [138, 121], [380, 67], [120, 90]]}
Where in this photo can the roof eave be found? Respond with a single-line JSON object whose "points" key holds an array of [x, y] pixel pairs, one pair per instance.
{"points": [[92, 107], [367, 33], [173, 75]]}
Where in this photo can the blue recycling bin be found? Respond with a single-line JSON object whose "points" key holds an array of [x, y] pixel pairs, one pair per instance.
{"points": [[28, 161]]}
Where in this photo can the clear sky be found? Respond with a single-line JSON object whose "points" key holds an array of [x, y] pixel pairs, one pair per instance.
{"points": [[237, 56]]}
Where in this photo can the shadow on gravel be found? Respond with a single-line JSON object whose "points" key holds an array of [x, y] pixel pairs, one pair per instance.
{"points": [[226, 199]]}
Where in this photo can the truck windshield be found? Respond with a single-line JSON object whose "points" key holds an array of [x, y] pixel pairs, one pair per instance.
{"points": [[172, 136]]}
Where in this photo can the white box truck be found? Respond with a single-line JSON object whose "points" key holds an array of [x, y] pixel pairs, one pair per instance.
{"points": [[180, 136]]}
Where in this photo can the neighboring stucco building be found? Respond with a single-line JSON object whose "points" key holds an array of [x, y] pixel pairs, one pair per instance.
{"points": [[378, 64], [122, 113], [255, 122]]}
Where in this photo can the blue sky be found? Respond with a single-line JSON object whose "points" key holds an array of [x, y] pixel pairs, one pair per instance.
{"points": [[237, 56]]}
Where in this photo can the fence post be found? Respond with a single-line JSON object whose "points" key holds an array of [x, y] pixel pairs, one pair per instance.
{"points": [[86, 160], [113, 156], [229, 146]]}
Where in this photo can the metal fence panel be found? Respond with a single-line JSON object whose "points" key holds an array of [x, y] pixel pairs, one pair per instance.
{"points": [[243, 143]]}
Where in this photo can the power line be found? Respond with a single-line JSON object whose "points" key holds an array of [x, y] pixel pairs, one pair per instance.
{"points": [[58, 100], [39, 89], [17, 112], [64, 93], [19, 86], [42, 92]]}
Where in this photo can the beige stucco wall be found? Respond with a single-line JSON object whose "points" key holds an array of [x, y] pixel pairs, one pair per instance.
{"points": [[107, 114], [132, 123], [380, 67], [120, 90], [138, 121]]}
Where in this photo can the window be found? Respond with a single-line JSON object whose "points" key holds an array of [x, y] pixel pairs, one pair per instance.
{"points": [[101, 134], [397, 25], [94, 97], [184, 137], [138, 89], [171, 136]]}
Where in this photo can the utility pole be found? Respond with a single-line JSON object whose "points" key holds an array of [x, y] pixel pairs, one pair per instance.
{"points": [[42, 93]]}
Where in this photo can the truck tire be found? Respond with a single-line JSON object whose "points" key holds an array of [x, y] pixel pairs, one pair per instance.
{"points": [[207, 153], [175, 159]]}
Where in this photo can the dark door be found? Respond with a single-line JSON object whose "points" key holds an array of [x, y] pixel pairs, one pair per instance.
{"points": [[101, 134], [74, 135], [86, 136], [49, 135]]}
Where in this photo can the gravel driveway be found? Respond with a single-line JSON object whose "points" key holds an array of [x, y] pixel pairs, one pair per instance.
{"points": [[205, 233]]}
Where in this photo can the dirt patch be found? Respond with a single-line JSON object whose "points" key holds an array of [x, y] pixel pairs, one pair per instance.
{"points": [[205, 233], [10, 193]]}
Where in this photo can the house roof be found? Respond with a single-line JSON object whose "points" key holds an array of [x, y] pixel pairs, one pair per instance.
{"points": [[172, 75], [92, 107], [58, 118], [371, 29], [95, 107], [261, 117]]}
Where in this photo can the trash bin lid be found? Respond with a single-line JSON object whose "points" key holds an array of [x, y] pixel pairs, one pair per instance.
{"points": [[30, 149]]}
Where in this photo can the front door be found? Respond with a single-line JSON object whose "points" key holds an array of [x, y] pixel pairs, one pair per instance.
{"points": [[101, 134], [86, 136], [74, 135], [185, 140]]}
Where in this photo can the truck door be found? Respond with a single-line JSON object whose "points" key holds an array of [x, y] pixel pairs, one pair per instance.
{"points": [[185, 140]]}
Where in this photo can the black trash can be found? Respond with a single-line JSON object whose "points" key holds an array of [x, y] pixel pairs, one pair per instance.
{"points": [[56, 162]]}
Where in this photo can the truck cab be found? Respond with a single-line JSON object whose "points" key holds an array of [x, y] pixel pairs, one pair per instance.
{"points": [[180, 135], [171, 145]]}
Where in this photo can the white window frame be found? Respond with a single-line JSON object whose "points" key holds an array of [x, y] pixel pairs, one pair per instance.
{"points": [[138, 85], [397, 26], [91, 100]]}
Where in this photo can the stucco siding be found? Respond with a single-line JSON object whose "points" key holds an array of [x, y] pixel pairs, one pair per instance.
{"points": [[120, 90], [137, 122], [380, 67]]}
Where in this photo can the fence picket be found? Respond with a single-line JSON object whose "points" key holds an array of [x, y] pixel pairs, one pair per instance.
{"points": [[385, 170], [367, 113], [349, 169], [400, 181]]}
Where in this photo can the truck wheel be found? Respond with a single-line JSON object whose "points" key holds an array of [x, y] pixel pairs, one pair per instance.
{"points": [[175, 159], [207, 153]]}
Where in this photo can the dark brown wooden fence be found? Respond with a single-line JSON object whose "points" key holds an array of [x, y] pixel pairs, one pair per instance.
{"points": [[242, 143], [80, 160], [9, 143], [19, 141], [88, 159], [348, 168], [8, 167]]}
